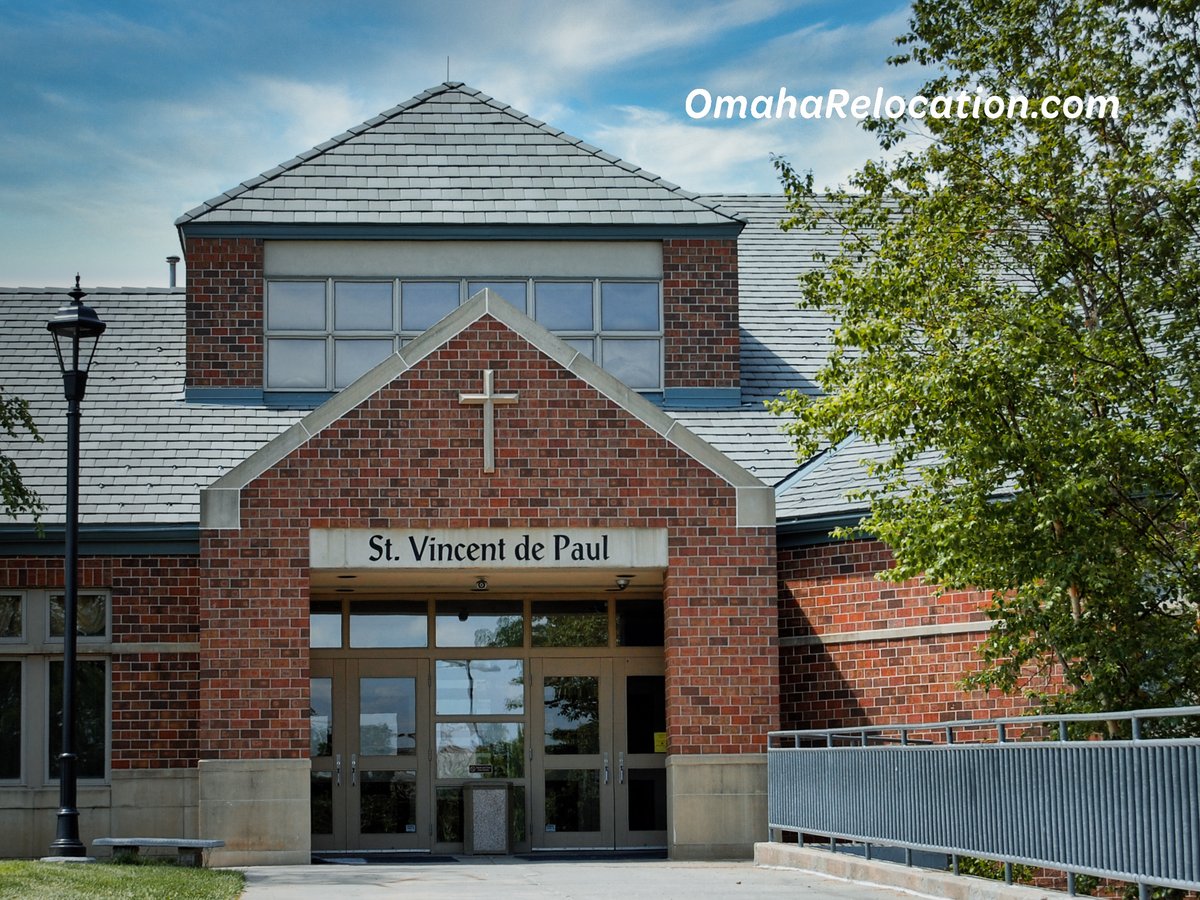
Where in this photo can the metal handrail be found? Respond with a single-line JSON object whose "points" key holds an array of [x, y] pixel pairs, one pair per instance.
{"points": [[1135, 715], [1127, 809]]}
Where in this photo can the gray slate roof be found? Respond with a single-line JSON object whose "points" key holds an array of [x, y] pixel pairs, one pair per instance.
{"points": [[454, 156], [782, 346], [147, 452], [819, 487], [144, 452]]}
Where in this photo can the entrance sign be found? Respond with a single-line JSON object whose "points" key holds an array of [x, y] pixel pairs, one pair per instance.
{"points": [[494, 548]]}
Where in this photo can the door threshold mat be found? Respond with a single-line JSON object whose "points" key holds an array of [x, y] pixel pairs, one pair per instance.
{"points": [[592, 855], [376, 858]]}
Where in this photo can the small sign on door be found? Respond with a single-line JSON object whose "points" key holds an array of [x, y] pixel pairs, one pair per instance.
{"points": [[660, 742]]}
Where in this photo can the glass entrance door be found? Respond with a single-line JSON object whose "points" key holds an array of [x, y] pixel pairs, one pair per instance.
{"points": [[640, 792], [598, 753], [369, 746]]}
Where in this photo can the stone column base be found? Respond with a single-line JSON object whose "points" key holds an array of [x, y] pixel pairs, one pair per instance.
{"points": [[259, 808], [716, 805]]}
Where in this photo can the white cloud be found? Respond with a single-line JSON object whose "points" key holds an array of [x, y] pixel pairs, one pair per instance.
{"points": [[576, 39], [735, 157], [96, 180], [818, 57], [308, 113]]}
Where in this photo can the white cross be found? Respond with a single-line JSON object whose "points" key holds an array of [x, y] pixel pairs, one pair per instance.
{"points": [[488, 400]]}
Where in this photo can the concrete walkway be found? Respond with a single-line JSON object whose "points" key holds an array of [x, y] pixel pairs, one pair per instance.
{"points": [[510, 879]]}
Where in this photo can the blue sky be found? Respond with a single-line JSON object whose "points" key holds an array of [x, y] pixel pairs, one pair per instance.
{"points": [[117, 117]]}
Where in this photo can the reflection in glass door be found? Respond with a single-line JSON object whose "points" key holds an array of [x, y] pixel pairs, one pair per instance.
{"points": [[599, 754], [416, 702], [479, 724], [367, 748], [573, 768]]}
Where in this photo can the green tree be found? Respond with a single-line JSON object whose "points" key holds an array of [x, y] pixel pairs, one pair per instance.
{"points": [[1019, 326], [15, 417]]}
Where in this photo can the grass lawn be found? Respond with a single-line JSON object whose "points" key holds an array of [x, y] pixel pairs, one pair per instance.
{"points": [[28, 880]]}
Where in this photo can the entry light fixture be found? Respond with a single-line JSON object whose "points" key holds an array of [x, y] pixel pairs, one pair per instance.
{"points": [[481, 583], [623, 582], [76, 331]]}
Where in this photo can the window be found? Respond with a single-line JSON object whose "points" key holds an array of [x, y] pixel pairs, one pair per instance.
{"points": [[10, 719], [515, 292], [31, 682], [12, 608], [91, 716], [324, 334]]}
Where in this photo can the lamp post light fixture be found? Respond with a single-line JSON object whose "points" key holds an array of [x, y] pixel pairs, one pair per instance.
{"points": [[76, 330]]}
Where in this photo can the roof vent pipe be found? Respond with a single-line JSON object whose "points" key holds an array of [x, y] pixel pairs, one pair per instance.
{"points": [[172, 261]]}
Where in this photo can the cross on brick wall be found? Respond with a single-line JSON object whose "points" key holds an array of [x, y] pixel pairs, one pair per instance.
{"points": [[488, 400]]}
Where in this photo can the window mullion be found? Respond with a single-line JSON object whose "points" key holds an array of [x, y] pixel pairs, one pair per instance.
{"points": [[330, 335]]}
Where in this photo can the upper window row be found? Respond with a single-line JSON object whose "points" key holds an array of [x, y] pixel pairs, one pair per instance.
{"points": [[324, 334], [91, 617], [486, 623]]}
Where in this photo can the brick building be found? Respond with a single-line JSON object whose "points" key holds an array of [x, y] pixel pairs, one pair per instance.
{"points": [[449, 468]]}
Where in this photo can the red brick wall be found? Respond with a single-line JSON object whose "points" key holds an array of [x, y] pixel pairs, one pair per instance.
{"points": [[700, 313], [831, 589], [154, 694], [722, 695], [224, 313], [411, 457]]}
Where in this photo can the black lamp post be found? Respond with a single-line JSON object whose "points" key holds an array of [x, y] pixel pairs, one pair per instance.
{"points": [[76, 330]]}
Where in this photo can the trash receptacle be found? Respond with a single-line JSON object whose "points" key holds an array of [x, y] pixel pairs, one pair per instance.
{"points": [[486, 817]]}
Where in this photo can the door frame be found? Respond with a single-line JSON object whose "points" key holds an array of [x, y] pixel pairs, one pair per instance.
{"points": [[614, 661], [613, 763], [347, 765]]}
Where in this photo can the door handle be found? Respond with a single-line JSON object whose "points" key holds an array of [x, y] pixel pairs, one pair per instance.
{"points": [[337, 768], [353, 769], [606, 768], [621, 768]]}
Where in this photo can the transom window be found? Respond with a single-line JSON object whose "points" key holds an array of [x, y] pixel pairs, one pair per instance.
{"points": [[323, 334]]}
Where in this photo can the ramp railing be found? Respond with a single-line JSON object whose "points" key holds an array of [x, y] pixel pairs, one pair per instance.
{"points": [[1043, 791]]}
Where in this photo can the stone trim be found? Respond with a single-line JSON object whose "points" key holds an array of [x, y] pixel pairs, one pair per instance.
{"points": [[886, 634]]}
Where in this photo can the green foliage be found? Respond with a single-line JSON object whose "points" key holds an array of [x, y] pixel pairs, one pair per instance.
{"points": [[1019, 324], [77, 881], [990, 868], [1091, 886], [17, 498]]}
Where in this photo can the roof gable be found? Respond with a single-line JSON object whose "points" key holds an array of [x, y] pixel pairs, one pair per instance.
{"points": [[454, 157], [220, 502]]}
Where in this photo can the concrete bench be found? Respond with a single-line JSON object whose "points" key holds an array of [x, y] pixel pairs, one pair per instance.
{"points": [[190, 850]]}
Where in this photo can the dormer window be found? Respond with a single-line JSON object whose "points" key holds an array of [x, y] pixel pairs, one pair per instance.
{"points": [[323, 334]]}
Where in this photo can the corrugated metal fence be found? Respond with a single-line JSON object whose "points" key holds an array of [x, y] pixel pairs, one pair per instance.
{"points": [[1125, 809]]}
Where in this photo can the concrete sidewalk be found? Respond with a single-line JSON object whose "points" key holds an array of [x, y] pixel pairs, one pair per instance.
{"points": [[510, 879]]}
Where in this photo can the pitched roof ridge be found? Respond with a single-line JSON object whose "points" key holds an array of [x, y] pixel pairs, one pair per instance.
{"points": [[320, 149], [599, 153], [812, 464], [478, 96]]}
